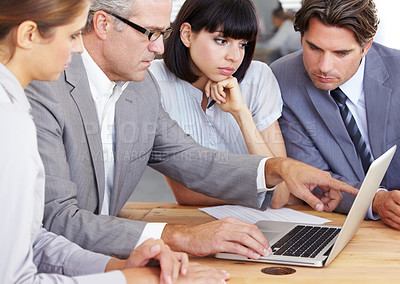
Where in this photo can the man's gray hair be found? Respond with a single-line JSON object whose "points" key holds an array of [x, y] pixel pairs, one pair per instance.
{"points": [[124, 8]]}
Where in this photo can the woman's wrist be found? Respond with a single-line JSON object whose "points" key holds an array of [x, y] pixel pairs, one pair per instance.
{"points": [[242, 115]]}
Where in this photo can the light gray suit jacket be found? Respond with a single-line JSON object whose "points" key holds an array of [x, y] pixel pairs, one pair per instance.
{"points": [[71, 148], [313, 128]]}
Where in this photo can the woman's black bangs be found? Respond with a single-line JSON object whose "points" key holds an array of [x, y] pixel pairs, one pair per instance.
{"points": [[239, 23]]}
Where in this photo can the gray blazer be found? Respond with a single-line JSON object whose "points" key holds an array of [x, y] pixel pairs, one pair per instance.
{"points": [[314, 131], [71, 148]]}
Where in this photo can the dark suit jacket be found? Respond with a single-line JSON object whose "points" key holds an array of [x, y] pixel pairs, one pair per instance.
{"points": [[313, 128], [71, 148]]}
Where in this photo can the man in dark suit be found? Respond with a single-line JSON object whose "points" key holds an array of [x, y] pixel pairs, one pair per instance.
{"points": [[102, 123], [338, 52]]}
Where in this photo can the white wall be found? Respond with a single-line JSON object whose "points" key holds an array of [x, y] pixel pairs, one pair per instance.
{"points": [[388, 30], [293, 5], [176, 5]]}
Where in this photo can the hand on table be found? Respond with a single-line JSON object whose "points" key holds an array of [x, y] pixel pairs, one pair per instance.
{"points": [[225, 235], [202, 274], [387, 205], [171, 263], [196, 274]]}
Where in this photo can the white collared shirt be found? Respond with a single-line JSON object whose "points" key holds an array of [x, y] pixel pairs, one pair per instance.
{"points": [[105, 98], [102, 92]]}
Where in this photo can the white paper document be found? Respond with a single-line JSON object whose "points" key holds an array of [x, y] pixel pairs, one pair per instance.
{"points": [[252, 216]]}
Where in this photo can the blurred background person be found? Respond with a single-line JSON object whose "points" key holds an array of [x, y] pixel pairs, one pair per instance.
{"points": [[285, 40]]}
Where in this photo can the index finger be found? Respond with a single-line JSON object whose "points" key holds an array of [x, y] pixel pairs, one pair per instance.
{"points": [[311, 200], [334, 184]]}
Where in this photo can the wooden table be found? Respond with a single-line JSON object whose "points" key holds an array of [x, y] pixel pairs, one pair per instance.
{"points": [[372, 256]]}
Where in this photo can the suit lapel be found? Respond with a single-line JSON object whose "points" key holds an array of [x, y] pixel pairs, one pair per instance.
{"points": [[80, 92], [329, 113], [377, 99], [126, 132]]}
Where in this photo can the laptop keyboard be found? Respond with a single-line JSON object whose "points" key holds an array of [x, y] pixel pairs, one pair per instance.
{"points": [[304, 241]]}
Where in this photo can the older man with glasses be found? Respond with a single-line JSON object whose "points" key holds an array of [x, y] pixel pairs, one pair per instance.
{"points": [[102, 123]]}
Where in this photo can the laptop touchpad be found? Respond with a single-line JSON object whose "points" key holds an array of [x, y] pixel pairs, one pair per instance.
{"points": [[271, 235], [271, 229]]}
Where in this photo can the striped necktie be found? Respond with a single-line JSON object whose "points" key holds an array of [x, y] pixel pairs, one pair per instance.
{"points": [[352, 128]]}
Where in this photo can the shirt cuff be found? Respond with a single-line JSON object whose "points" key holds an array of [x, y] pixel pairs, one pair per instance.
{"points": [[151, 231], [261, 184], [370, 215]]}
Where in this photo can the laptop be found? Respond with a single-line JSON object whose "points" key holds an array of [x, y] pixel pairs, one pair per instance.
{"points": [[318, 245]]}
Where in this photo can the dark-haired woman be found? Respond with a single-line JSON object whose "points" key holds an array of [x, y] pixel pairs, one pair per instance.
{"points": [[209, 57]]}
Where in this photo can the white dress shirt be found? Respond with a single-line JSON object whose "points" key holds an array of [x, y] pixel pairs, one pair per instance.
{"points": [[29, 253], [354, 90], [105, 95]]}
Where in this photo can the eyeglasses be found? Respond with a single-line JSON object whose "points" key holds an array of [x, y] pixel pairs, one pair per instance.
{"points": [[151, 35]]}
